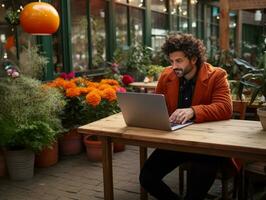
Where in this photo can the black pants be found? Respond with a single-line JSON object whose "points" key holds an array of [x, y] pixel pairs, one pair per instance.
{"points": [[161, 162]]}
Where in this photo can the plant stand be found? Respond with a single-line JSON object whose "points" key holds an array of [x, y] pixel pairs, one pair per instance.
{"points": [[47, 157], [70, 143], [20, 164]]}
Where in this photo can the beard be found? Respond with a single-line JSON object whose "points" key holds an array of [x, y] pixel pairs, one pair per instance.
{"points": [[179, 72]]}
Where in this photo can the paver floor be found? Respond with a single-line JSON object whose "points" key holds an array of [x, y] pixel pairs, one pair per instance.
{"points": [[74, 177]]}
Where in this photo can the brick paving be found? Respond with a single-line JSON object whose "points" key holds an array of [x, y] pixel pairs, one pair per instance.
{"points": [[76, 178]]}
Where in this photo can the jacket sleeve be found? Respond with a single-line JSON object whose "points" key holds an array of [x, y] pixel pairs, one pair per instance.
{"points": [[220, 107]]}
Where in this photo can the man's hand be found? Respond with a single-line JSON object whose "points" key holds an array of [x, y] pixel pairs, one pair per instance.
{"points": [[181, 115]]}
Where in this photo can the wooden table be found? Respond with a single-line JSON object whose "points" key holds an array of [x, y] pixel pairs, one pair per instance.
{"points": [[231, 138], [146, 86]]}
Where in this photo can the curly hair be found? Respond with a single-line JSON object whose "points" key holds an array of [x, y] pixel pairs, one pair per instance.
{"points": [[188, 44]]}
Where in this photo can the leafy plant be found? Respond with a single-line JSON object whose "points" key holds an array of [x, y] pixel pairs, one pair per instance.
{"points": [[12, 17], [32, 63], [255, 80], [154, 70], [29, 113], [138, 60]]}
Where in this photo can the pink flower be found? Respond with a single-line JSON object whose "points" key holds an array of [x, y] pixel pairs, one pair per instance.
{"points": [[63, 75], [15, 74], [121, 89], [127, 79], [114, 68], [68, 76]]}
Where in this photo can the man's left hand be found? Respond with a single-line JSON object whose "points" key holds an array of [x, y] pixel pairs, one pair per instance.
{"points": [[181, 115]]}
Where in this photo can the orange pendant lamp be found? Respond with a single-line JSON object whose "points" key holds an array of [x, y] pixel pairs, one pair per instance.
{"points": [[39, 18]]}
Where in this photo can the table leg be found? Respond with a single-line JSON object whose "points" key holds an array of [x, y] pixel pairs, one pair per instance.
{"points": [[107, 168], [142, 159]]}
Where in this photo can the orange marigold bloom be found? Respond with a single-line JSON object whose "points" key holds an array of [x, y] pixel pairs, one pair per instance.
{"points": [[59, 82], [89, 89], [109, 82], [72, 92], [93, 98], [83, 90], [69, 84], [103, 86], [109, 94]]}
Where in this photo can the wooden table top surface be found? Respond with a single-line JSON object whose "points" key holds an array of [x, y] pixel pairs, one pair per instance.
{"points": [[234, 135]]}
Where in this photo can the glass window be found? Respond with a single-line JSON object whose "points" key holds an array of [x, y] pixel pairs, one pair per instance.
{"points": [[121, 26], [159, 5], [11, 35], [159, 29], [199, 20], [193, 14], [183, 16], [136, 24], [139, 3], [79, 35], [98, 34], [173, 14], [121, 1], [232, 27]]}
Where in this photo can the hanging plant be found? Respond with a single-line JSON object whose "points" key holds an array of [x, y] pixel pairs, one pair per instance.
{"points": [[12, 17]]}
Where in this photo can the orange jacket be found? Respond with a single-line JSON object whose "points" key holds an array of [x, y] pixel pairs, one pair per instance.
{"points": [[211, 100]]}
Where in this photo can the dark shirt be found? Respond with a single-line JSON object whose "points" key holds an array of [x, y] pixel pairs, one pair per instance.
{"points": [[186, 89]]}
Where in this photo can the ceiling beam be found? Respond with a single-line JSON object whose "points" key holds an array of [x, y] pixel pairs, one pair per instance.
{"points": [[246, 4]]}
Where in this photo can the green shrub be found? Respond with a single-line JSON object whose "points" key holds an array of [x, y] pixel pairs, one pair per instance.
{"points": [[28, 113]]}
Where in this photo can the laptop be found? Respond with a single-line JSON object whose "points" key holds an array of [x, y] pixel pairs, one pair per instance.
{"points": [[146, 110]]}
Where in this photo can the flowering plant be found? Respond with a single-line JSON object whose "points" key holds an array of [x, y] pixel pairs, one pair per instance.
{"points": [[87, 101], [28, 112], [124, 80]]}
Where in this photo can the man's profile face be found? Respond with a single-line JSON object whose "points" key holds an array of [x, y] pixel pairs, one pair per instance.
{"points": [[181, 64]]}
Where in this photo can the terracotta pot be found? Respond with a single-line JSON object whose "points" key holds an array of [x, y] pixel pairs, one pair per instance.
{"points": [[118, 147], [47, 157], [262, 115], [2, 164], [93, 148], [70, 143]]}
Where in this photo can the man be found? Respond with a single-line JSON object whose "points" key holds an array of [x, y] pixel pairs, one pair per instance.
{"points": [[194, 90]]}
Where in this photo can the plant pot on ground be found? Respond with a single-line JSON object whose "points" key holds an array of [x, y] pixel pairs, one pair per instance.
{"points": [[48, 156], [262, 115], [2, 164], [70, 143], [28, 122], [118, 147], [93, 148]]}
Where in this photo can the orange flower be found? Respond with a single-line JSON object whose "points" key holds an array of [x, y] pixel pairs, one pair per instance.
{"points": [[109, 94], [111, 82], [72, 92], [69, 84], [83, 90], [93, 98], [103, 86]]}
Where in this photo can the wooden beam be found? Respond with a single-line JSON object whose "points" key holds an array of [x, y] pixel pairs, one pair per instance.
{"points": [[246, 4], [224, 24]]}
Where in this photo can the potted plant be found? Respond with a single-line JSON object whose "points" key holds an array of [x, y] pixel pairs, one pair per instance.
{"points": [[137, 61], [29, 121], [153, 73], [87, 101], [255, 80]]}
